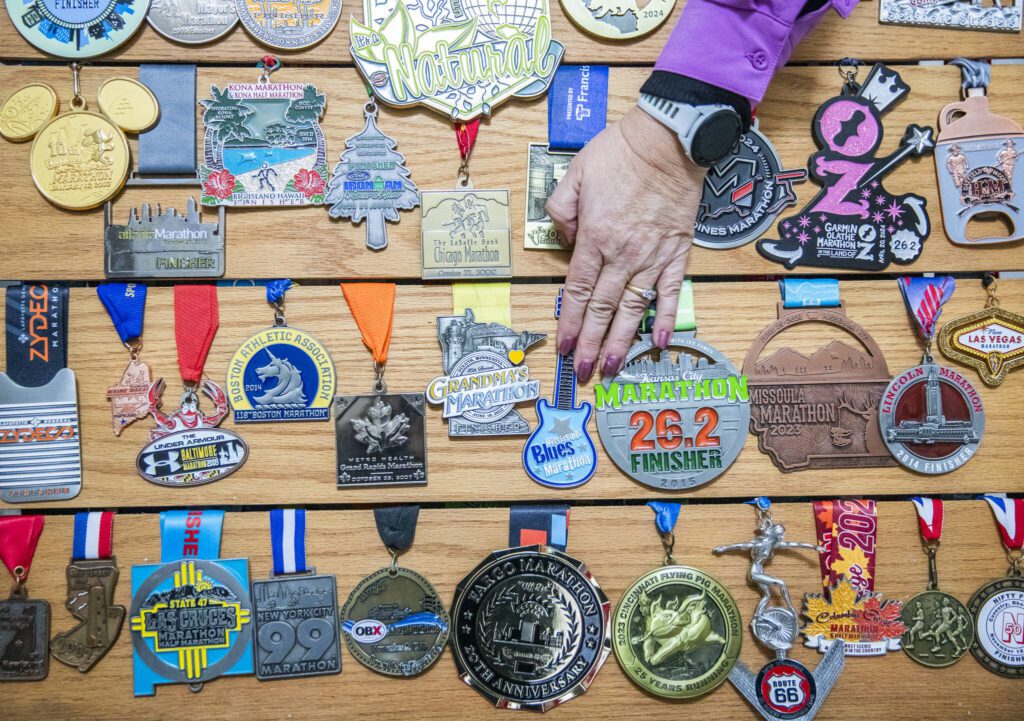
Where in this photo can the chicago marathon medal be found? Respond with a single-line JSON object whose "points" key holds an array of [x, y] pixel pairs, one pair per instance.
{"points": [[283, 25], [676, 631], [989, 340], [394, 622], [1003, 16], [192, 23], [616, 19], [77, 30], [24, 622], [129, 397], [295, 611]]}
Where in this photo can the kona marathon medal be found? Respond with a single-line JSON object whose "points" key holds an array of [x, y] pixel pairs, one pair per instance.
{"points": [[618, 19], [287, 25], [1004, 15], [77, 30], [192, 22], [989, 340], [129, 397], [24, 622]]}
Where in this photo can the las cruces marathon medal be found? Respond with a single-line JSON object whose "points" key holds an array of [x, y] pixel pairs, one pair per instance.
{"points": [[129, 397], [1003, 16], [77, 30], [990, 340], [287, 25], [24, 621]]}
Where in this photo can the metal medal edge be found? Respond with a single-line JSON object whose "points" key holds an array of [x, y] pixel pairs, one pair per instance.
{"points": [[974, 606]]}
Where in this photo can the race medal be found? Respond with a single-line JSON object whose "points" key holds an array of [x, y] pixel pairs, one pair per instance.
{"points": [[40, 441], [24, 622], [818, 410], [616, 20], [854, 222], [676, 630], [295, 611], [1003, 16], [284, 25], [990, 340], [92, 577], [394, 622], [26, 111], [191, 615], [531, 623], [465, 234], [129, 397], [282, 373], [77, 30], [931, 417], [192, 23], [128, 103]]}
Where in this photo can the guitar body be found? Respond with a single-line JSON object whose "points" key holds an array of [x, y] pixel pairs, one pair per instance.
{"points": [[560, 453]]}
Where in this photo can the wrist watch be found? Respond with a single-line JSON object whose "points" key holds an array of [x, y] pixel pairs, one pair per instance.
{"points": [[707, 132]]}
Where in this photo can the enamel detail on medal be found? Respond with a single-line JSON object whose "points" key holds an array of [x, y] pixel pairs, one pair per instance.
{"points": [[1003, 16], [77, 30], [990, 340], [24, 622]]}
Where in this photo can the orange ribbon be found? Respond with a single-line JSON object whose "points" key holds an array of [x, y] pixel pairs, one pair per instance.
{"points": [[372, 306]]}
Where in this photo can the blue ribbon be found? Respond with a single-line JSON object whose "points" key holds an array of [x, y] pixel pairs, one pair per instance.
{"points": [[665, 515], [577, 105], [288, 540], [190, 535], [276, 289], [763, 503], [126, 305], [809, 292], [925, 297]]}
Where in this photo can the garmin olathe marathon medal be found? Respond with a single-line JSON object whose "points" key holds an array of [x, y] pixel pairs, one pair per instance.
{"points": [[40, 442], [281, 373], [295, 611], [854, 222], [191, 614], [24, 622], [676, 631], [129, 397], [77, 30], [618, 19], [1004, 15], [989, 340], [394, 622], [931, 416], [192, 23], [939, 628], [530, 624], [287, 25], [784, 688], [380, 437], [92, 578], [186, 448]]}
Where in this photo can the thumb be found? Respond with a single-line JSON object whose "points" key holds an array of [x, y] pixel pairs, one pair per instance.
{"points": [[563, 205]]}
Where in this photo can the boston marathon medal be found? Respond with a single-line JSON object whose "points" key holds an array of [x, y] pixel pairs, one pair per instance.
{"points": [[998, 610], [296, 626]]}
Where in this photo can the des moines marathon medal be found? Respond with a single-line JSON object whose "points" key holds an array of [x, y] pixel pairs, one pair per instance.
{"points": [[77, 30], [989, 340], [129, 397], [24, 622], [1004, 15]]}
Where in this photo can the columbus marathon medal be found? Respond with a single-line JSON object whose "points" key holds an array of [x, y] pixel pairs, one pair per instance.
{"points": [[990, 340], [24, 622], [129, 397]]}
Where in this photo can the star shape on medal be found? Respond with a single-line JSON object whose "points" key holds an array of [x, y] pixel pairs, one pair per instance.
{"points": [[561, 427]]}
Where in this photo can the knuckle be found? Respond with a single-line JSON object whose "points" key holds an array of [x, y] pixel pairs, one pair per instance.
{"points": [[578, 290], [601, 308]]}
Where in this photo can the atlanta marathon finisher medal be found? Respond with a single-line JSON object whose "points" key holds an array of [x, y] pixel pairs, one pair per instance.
{"points": [[129, 397], [295, 611], [281, 373], [393, 621], [77, 30], [530, 623], [990, 340], [1004, 16], [191, 616], [24, 622], [380, 437], [676, 630], [784, 688], [931, 417], [854, 222]]}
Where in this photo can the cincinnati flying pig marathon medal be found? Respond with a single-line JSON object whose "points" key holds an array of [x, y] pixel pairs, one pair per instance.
{"points": [[129, 397], [190, 22], [1003, 16], [990, 340], [77, 30], [618, 19], [287, 25], [24, 621]]}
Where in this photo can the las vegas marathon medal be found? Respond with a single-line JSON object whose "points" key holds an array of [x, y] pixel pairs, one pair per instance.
{"points": [[931, 417], [191, 614], [190, 22], [129, 397], [295, 611], [380, 437], [990, 340], [854, 222], [77, 30], [618, 19], [281, 373], [676, 630], [286, 25], [784, 688], [393, 621], [24, 622], [1004, 16], [530, 623]]}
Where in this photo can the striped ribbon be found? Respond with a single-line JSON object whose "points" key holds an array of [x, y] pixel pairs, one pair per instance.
{"points": [[929, 516], [925, 297], [94, 535], [1009, 513], [288, 540]]}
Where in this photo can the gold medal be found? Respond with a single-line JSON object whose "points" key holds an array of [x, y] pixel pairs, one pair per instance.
{"points": [[618, 20], [129, 103], [26, 111]]}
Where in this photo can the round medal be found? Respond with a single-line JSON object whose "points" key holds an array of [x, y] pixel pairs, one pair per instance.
{"points": [[129, 103], [77, 30], [939, 629], [785, 689], [275, 23], [618, 21], [26, 111], [998, 610], [192, 23]]}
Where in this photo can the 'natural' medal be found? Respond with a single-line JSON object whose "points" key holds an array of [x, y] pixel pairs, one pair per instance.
{"points": [[129, 397], [24, 622]]}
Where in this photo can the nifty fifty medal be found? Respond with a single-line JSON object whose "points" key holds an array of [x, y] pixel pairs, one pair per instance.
{"points": [[77, 30], [191, 614], [24, 622], [990, 340], [129, 397]]}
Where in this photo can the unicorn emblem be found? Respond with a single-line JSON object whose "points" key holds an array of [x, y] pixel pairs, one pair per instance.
{"points": [[288, 389]]}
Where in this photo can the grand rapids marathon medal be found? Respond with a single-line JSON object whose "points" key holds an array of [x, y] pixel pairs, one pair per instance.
{"points": [[1004, 15], [990, 340], [24, 622], [77, 30]]}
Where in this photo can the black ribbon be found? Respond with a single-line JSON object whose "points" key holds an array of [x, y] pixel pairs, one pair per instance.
{"points": [[396, 525], [37, 332], [543, 525]]}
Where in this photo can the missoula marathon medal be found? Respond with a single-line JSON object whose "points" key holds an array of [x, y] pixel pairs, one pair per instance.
{"points": [[1004, 15], [989, 340], [92, 577], [129, 397], [854, 222], [191, 22], [286, 24], [676, 631], [24, 622], [784, 688], [282, 373], [531, 623], [77, 30], [618, 19], [191, 615], [394, 622], [931, 416], [295, 611]]}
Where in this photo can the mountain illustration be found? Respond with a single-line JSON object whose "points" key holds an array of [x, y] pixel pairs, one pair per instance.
{"points": [[836, 357], [217, 593]]}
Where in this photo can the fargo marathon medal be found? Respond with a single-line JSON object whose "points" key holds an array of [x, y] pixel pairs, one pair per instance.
{"points": [[24, 621], [990, 340]]}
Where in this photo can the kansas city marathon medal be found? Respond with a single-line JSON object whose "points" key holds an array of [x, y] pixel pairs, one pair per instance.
{"points": [[129, 397], [24, 622], [990, 340]]}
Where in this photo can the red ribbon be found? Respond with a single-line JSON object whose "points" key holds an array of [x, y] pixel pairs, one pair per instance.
{"points": [[18, 538], [847, 530], [929, 517], [465, 136], [196, 317]]}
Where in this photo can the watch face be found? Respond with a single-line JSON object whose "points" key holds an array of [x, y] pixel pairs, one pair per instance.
{"points": [[716, 137]]}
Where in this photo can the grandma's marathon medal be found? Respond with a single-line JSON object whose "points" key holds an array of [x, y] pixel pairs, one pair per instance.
{"points": [[287, 25], [192, 23], [990, 340], [677, 418], [262, 143], [394, 622], [24, 622], [92, 578], [931, 416], [281, 373], [1003, 16], [676, 631], [40, 441], [939, 627], [854, 222], [618, 20], [129, 397], [77, 30], [784, 688], [186, 448], [191, 615], [531, 626], [379, 437], [295, 611]]}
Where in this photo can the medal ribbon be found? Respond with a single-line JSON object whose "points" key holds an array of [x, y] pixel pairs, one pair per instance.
{"points": [[847, 530], [929, 516], [19, 536], [490, 302], [1009, 513], [196, 318], [194, 534], [539, 525], [276, 290], [169, 147], [465, 136], [577, 106], [665, 515], [372, 306], [809, 292], [126, 306], [37, 332], [396, 526], [288, 540], [94, 535], [924, 298]]}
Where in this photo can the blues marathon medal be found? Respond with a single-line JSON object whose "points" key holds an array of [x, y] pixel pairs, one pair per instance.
{"points": [[282, 373], [394, 622], [931, 416], [129, 397], [379, 437], [295, 611], [40, 443], [676, 631], [961, 14], [77, 30], [24, 622], [191, 616], [990, 340], [531, 623]]}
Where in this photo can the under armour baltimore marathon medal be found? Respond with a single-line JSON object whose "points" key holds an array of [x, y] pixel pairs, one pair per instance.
{"points": [[24, 622], [77, 30], [40, 443]]}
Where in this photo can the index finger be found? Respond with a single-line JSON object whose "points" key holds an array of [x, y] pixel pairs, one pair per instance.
{"points": [[580, 280]]}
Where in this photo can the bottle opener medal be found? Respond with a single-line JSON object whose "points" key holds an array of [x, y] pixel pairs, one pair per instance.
{"points": [[77, 30], [990, 340], [129, 397], [24, 622], [1004, 15]]}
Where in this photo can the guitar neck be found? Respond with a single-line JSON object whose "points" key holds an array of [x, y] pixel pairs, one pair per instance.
{"points": [[565, 383]]}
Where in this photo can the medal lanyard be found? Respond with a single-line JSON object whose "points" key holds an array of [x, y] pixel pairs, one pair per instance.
{"points": [[126, 306], [196, 318], [809, 292], [1009, 515], [665, 517], [539, 525], [847, 531], [19, 536], [275, 297], [37, 332], [190, 535], [94, 536], [924, 298], [372, 306], [465, 137], [288, 540], [577, 106], [929, 517], [490, 302], [396, 526]]}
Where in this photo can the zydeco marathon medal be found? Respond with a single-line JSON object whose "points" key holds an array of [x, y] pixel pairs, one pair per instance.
{"points": [[295, 611], [129, 397], [990, 340], [854, 222], [676, 631], [191, 615], [24, 622], [77, 30], [931, 416], [281, 373], [286, 25], [394, 622], [1002, 16], [531, 625]]}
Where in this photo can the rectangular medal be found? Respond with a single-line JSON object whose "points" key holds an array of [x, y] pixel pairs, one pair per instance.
{"points": [[465, 234], [303, 610], [960, 14], [380, 440], [24, 639], [544, 170]]}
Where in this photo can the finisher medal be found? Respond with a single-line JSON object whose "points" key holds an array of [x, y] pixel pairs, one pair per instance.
{"points": [[77, 30], [24, 622], [191, 22], [1004, 15], [286, 24], [129, 397], [618, 19], [990, 340]]}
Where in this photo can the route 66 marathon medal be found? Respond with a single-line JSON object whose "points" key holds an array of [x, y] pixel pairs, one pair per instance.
{"points": [[24, 622], [990, 340], [961, 14], [530, 623], [394, 622], [676, 630], [129, 397], [77, 29]]}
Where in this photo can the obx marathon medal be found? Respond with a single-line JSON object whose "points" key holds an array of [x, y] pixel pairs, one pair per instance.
{"points": [[24, 622], [129, 397], [77, 30], [990, 340]]}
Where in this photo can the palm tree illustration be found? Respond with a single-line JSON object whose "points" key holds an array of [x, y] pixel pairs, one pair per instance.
{"points": [[306, 112], [224, 118]]}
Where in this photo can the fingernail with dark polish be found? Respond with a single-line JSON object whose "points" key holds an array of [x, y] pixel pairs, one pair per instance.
{"points": [[585, 370], [661, 340], [566, 346], [611, 365]]}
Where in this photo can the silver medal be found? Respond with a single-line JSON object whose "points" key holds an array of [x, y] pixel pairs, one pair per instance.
{"points": [[1004, 15], [380, 440], [545, 168], [192, 22]]}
